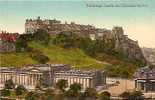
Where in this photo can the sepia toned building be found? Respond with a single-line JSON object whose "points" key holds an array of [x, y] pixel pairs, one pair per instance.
{"points": [[30, 75], [145, 79], [49, 74], [87, 79], [27, 78], [55, 27]]}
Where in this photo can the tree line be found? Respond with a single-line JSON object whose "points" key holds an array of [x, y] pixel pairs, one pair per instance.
{"points": [[61, 91]]}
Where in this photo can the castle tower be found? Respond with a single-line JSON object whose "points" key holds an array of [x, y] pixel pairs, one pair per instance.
{"points": [[118, 35], [118, 31]]}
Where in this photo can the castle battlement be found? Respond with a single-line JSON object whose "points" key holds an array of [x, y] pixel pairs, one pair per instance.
{"points": [[51, 26]]}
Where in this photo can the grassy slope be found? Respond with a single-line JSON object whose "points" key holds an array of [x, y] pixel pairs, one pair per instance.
{"points": [[74, 57], [16, 59]]}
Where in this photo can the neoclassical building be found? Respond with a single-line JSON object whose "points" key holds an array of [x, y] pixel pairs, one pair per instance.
{"points": [[27, 78], [49, 74], [30, 75], [145, 79], [85, 78]]}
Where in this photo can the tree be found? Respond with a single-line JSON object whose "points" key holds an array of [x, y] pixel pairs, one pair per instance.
{"points": [[5, 92], [39, 56], [75, 87], [125, 95], [20, 90], [31, 96], [74, 90], [62, 84], [104, 96], [49, 94], [41, 36], [65, 39], [135, 95], [9, 84], [21, 42], [90, 93]]}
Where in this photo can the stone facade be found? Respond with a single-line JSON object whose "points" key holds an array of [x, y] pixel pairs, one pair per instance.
{"points": [[48, 74], [30, 75], [55, 27], [87, 79], [26, 78], [145, 79]]}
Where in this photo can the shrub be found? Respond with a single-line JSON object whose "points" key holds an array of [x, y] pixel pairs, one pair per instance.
{"points": [[9, 84], [5, 92], [20, 90]]}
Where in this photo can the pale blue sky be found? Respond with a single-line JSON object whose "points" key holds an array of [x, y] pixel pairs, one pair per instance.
{"points": [[138, 22]]}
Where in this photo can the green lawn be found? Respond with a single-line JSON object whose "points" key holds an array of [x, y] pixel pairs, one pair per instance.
{"points": [[74, 57]]}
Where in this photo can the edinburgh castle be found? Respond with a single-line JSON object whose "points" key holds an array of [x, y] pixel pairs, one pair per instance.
{"points": [[121, 41]]}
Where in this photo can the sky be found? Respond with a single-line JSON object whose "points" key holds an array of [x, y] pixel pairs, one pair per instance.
{"points": [[138, 20]]}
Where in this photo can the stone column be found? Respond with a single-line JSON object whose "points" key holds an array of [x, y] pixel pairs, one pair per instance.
{"points": [[31, 80], [83, 81], [24, 79], [69, 81], [28, 81], [87, 82], [78, 80], [4, 78], [90, 83], [145, 87]]}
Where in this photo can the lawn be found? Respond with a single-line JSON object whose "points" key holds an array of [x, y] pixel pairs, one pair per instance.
{"points": [[72, 56]]}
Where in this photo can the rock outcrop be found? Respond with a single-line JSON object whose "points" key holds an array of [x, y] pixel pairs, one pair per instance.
{"points": [[122, 43], [149, 54]]}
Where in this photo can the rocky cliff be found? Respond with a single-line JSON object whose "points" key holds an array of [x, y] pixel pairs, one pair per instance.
{"points": [[122, 43], [149, 54]]}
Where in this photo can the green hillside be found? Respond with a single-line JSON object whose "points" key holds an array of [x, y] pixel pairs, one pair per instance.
{"points": [[56, 54], [69, 48]]}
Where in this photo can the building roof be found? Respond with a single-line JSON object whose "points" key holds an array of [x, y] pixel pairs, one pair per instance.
{"points": [[10, 37], [145, 73], [76, 73], [35, 68]]}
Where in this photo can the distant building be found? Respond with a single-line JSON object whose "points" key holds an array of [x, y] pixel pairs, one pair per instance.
{"points": [[33, 25], [55, 26], [145, 79], [29, 76], [85, 78]]}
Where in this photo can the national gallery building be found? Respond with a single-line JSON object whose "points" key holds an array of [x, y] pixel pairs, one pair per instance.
{"points": [[48, 74], [30, 75]]}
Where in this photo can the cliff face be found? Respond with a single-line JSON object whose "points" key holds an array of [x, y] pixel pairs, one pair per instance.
{"points": [[128, 46], [123, 44], [149, 54]]}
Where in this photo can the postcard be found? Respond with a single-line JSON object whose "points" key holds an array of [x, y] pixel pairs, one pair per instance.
{"points": [[77, 49]]}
